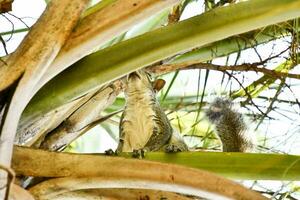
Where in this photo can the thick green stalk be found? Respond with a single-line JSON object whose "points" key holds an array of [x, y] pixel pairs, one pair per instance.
{"points": [[249, 166], [113, 62], [235, 43], [237, 165]]}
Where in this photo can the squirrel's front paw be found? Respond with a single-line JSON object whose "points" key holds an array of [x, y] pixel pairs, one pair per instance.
{"points": [[172, 148], [111, 152], [138, 153]]}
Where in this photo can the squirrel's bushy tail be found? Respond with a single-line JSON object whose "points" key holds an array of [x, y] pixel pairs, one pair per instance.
{"points": [[230, 126]]}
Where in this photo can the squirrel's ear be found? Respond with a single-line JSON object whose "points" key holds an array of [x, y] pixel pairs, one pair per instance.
{"points": [[158, 84]]}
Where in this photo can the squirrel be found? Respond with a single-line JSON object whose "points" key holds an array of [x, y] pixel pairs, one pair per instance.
{"points": [[144, 125], [230, 126]]}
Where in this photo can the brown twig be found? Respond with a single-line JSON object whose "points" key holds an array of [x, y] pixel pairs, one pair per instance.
{"points": [[270, 107], [254, 67], [247, 93], [4, 46]]}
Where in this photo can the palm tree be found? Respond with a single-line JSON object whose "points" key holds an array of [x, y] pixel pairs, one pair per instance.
{"points": [[67, 70]]}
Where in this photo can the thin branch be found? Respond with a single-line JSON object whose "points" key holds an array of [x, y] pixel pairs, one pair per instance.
{"points": [[12, 26], [285, 194], [270, 107], [4, 46], [279, 100], [247, 93], [20, 19], [248, 67]]}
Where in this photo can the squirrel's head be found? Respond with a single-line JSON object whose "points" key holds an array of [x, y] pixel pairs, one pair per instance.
{"points": [[217, 108], [141, 79]]}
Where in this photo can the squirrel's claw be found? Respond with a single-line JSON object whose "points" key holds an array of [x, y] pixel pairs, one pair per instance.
{"points": [[138, 153], [111, 152], [172, 148]]}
